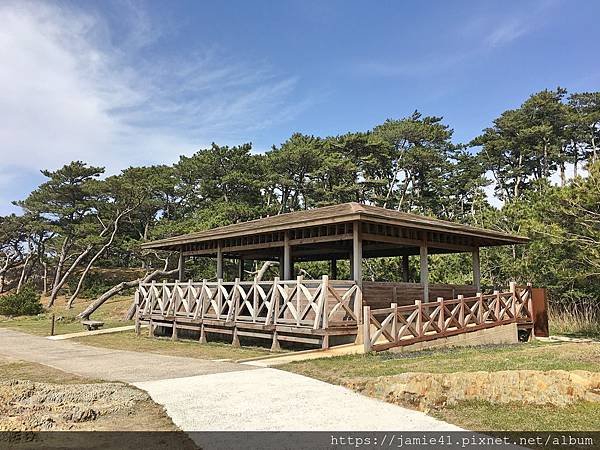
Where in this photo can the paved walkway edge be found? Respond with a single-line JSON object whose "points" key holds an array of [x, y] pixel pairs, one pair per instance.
{"points": [[60, 337]]}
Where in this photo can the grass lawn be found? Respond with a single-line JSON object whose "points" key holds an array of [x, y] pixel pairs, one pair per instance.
{"points": [[11, 369], [478, 416], [212, 350], [485, 416], [111, 313], [533, 356]]}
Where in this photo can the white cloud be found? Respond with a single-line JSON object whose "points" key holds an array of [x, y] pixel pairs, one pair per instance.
{"points": [[70, 93], [505, 33]]}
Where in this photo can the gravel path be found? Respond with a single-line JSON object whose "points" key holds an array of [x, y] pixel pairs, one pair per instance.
{"points": [[201, 395]]}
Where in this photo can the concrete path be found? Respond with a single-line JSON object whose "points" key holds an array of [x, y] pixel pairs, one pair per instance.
{"points": [[105, 363], [202, 395], [274, 400]]}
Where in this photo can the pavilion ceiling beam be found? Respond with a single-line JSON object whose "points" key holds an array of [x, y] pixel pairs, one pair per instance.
{"points": [[406, 242]]}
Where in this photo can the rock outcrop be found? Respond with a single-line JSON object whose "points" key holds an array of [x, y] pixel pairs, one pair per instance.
{"points": [[429, 390]]}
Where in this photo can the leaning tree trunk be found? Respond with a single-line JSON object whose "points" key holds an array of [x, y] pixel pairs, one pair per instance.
{"points": [[57, 287], [93, 260], [85, 314]]}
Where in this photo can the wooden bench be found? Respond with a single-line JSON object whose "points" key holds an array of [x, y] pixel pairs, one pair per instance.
{"points": [[92, 325]]}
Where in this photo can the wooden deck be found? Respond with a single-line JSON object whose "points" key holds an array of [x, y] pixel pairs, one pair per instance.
{"points": [[398, 326], [325, 312], [302, 311]]}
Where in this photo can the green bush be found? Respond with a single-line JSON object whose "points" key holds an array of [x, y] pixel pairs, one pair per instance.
{"points": [[25, 303]]}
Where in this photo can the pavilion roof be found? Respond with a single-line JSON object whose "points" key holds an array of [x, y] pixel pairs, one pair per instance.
{"points": [[336, 214]]}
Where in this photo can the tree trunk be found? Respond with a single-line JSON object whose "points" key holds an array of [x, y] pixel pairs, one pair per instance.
{"points": [[85, 314], [23, 271], [94, 258], [45, 280], [56, 288]]}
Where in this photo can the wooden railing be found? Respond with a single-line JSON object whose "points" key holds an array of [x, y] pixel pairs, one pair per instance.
{"points": [[404, 325], [317, 304]]}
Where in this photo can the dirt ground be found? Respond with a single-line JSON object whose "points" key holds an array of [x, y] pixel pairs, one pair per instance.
{"points": [[34, 397]]}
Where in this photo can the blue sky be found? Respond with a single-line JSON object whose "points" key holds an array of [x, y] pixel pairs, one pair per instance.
{"points": [[121, 83]]}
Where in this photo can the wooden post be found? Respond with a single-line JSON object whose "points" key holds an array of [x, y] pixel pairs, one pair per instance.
{"points": [[395, 321], [137, 313], [513, 291], [174, 330], [298, 298], [356, 254], [174, 298], [235, 299], [219, 261], [325, 342], [461, 310], [241, 268], [52, 319], [275, 299], [287, 261], [181, 265], [441, 315], [235, 342], [367, 328], [334, 272], [497, 306], [202, 297], [405, 268], [424, 271], [325, 294], [219, 298], [255, 300], [419, 306], [202, 339], [480, 307], [275, 347], [476, 270], [150, 327]]}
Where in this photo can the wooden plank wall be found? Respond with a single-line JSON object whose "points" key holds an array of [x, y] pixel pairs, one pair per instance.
{"points": [[378, 294]]}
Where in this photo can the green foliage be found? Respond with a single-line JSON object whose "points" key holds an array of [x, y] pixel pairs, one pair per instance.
{"points": [[408, 164], [24, 303]]}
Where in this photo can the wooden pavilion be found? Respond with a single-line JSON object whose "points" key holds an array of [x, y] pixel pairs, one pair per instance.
{"points": [[325, 310]]}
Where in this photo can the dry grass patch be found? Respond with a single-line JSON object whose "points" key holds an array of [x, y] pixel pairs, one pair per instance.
{"points": [[112, 313], [485, 416], [165, 346], [575, 325], [530, 356]]}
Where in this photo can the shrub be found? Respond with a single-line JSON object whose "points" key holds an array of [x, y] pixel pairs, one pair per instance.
{"points": [[25, 303]]}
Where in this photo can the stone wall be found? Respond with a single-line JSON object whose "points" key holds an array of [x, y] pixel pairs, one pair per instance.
{"points": [[427, 390]]}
